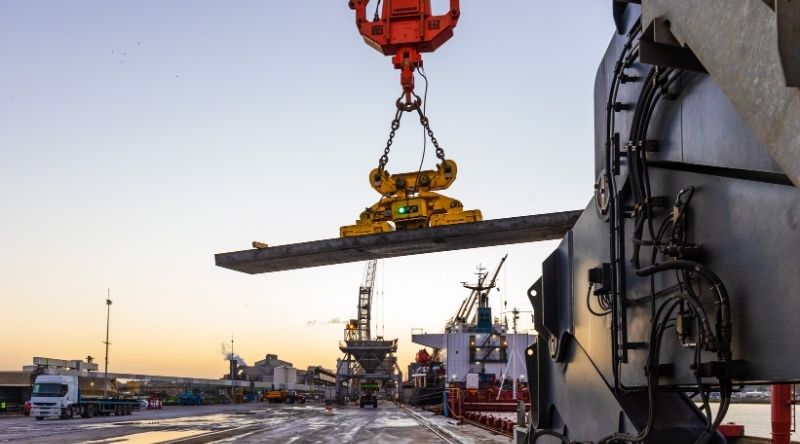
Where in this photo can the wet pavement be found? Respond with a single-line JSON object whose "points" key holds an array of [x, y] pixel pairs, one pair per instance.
{"points": [[250, 423]]}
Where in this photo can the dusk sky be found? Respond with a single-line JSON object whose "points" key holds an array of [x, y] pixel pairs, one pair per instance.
{"points": [[138, 138]]}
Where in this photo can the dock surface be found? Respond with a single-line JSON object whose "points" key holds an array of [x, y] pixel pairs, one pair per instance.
{"points": [[512, 230], [250, 423]]}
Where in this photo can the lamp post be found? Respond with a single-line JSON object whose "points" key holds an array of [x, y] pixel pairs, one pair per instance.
{"points": [[108, 319], [230, 365]]}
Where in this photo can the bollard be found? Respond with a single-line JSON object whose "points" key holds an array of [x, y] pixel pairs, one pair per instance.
{"points": [[520, 413], [781, 413]]}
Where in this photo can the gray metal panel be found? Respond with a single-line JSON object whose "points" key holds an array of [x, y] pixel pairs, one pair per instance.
{"points": [[590, 240], [736, 40], [730, 217], [577, 394], [400, 243], [601, 86], [717, 134], [748, 229], [750, 235], [457, 355]]}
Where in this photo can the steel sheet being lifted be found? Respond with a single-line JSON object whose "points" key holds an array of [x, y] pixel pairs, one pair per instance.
{"points": [[511, 230]]}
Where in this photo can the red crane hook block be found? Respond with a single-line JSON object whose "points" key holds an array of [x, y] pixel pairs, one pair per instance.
{"points": [[404, 30]]}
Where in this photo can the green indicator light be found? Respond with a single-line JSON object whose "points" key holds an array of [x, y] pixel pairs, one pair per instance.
{"points": [[402, 210]]}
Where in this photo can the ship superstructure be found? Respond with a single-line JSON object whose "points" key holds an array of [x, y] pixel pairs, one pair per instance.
{"points": [[477, 353]]}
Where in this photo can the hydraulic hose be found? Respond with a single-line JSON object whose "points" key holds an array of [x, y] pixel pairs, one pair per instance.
{"points": [[639, 190], [725, 331], [615, 244]]}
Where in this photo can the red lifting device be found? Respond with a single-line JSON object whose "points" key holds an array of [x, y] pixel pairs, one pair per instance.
{"points": [[404, 30]]}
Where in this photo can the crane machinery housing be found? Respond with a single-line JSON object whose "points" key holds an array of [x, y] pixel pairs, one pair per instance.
{"points": [[680, 278]]}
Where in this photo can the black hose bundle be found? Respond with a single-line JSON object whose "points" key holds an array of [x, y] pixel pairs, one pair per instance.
{"points": [[686, 302], [724, 326]]}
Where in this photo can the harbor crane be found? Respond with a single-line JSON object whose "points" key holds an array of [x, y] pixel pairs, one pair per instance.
{"points": [[365, 292], [369, 364]]}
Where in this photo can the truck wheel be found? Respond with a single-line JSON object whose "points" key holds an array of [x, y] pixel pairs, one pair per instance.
{"points": [[128, 410], [70, 413], [375, 404], [89, 411], [66, 413]]}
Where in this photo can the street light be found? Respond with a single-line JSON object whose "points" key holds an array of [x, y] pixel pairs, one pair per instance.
{"points": [[108, 320]]}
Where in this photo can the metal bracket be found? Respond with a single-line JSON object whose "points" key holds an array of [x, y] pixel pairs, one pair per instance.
{"points": [[659, 47], [787, 13]]}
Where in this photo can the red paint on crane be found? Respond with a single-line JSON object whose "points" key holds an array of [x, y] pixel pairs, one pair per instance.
{"points": [[404, 30]]}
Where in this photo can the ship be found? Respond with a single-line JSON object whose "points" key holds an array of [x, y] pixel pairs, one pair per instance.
{"points": [[477, 363]]}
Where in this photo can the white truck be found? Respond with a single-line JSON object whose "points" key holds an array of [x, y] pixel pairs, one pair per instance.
{"points": [[58, 396]]}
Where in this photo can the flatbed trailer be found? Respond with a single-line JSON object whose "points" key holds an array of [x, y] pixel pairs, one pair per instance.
{"points": [[58, 396]]}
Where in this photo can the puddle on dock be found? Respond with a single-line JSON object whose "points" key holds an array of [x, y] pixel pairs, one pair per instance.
{"points": [[149, 437]]}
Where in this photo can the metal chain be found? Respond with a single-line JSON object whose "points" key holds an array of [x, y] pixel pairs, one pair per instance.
{"points": [[426, 124], [408, 107], [395, 125]]}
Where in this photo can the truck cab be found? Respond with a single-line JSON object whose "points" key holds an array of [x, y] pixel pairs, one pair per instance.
{"points": [[53, 396], [368, 397]]}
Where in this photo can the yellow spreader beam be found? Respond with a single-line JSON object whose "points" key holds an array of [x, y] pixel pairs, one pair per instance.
{"points": [[408, 202]]}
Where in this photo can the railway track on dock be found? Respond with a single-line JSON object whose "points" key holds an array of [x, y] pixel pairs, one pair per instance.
{"points": [[441, 434]]}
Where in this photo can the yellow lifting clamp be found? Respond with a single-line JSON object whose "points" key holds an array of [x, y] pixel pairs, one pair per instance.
{"points": [[408, 202]]}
